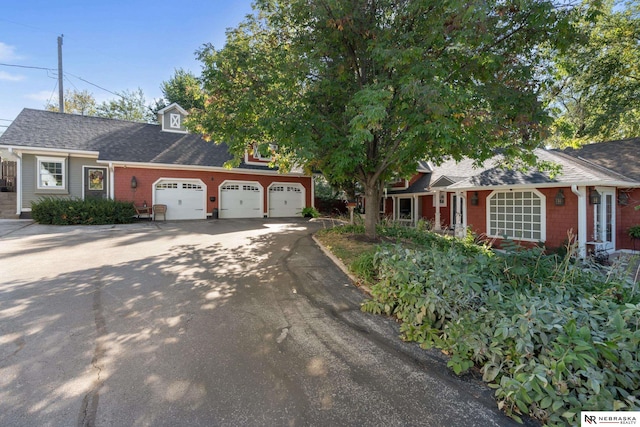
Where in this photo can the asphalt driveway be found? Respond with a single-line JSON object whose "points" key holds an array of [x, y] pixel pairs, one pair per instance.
{"points": [[205, 323]]}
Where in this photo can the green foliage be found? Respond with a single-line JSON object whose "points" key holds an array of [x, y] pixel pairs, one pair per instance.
{"points": [[550, 337], [75, 102], [363, 267], [363, 90], [634, 232], [57, 211], [310, 212], [598, 79], [130, 105], [184, 89]]}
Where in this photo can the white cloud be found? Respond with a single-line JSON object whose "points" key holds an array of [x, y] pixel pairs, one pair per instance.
{"points": [[10, 77], [43, 95], [7, 52]]}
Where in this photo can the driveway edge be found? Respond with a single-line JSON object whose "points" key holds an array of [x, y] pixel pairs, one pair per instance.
{"points": [[356, 282]]}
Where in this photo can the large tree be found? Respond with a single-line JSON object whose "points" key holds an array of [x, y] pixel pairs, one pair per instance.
{"points": [[597, 90], [129, 105], [184, 88], [75, 102], [363, 89]]}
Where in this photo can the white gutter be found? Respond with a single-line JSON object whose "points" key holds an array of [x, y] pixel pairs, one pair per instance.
{"points": [[50, 151], [112, 193], [169, 166], [19, 179], [581, 192]]}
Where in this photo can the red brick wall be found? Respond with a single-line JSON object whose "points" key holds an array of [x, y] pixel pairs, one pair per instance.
{"points": [[627, 216], [146, 178]]}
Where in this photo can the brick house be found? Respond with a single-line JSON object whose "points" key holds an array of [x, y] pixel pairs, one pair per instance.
{"points": [[595, 197], [66, 155]]}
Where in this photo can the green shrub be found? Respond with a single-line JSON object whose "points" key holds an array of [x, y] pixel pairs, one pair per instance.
{"points": [[310, 212], [550, 337], [58, 211]]}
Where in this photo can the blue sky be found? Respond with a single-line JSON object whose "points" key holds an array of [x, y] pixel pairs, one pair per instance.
{"points": [[117, 45]]}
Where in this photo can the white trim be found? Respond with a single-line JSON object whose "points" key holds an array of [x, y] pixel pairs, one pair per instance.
{"points": [[291, 184], [241, 182], [603, 192], [439, 196], [167, 166], [51, 151], [171, 106], [581, 192], [558, 184], [64, 172], [543, 216], [183, 180], [105, 179], [19, 179]]}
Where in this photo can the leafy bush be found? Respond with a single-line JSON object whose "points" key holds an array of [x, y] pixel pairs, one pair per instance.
{"points": [[310, 212], [550, 337], [57, 211]]}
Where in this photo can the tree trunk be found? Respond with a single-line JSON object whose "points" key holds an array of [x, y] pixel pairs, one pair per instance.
{"points": [[372, 199]]}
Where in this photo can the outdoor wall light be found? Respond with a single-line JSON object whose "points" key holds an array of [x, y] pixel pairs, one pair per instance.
{"points": [[475, 199], [594, 197], [560, 198], [623, 198], [134, 182]]}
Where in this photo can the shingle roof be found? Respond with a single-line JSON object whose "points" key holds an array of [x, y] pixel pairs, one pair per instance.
{"points": [[622, 156], [573, 171], [115, 140]]}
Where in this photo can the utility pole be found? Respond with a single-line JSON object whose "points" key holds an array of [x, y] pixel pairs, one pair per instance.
{"points": [[60, 88]]}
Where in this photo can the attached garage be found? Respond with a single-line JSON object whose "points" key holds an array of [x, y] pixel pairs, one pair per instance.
{"points": [[185, 198], [286, 200], [241, 199]]}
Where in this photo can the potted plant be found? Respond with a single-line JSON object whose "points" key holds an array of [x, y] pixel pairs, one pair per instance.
{"points": [[634, 232], [310, 212]]}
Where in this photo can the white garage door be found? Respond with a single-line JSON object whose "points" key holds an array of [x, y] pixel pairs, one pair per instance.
{"points": [[285, 200], [240, 200], [185, 199]]}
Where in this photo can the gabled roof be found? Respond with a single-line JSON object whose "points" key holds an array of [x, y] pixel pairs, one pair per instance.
{"points": [[174, 106], [419, 187], [622, 156], [114, 140], [574, 172]]}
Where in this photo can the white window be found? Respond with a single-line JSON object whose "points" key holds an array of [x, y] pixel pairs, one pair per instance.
{"points": [[174, 121], [52, 173], [517, 214], [268, 157]]}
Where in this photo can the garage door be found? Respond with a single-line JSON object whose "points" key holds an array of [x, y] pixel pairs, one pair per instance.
{"points": [[240, 200], [286, 200], [185, 199]]}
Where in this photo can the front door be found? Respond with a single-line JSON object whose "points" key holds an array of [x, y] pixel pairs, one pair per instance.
{"points": [[604, 215], [95, 182]]}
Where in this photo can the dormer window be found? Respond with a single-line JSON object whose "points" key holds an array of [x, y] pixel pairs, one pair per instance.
{"points": [[171, 118], [175, 121]]}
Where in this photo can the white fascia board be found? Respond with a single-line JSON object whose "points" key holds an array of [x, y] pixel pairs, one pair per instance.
{"points": [[200, 168], [172, 106], [52, 151], [624, 184]]}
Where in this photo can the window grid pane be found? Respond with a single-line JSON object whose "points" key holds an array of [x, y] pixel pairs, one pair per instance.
{"points": [[516, 214]]}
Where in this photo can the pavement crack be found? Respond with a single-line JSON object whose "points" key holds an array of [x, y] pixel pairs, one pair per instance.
{"points": [[89, 407]]}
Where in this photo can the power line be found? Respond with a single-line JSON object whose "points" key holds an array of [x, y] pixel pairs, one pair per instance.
{"points": [[65, 73], [27, 66]]}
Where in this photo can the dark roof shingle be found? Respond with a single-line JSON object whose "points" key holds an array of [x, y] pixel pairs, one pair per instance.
{"points": [[115, 140]]}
